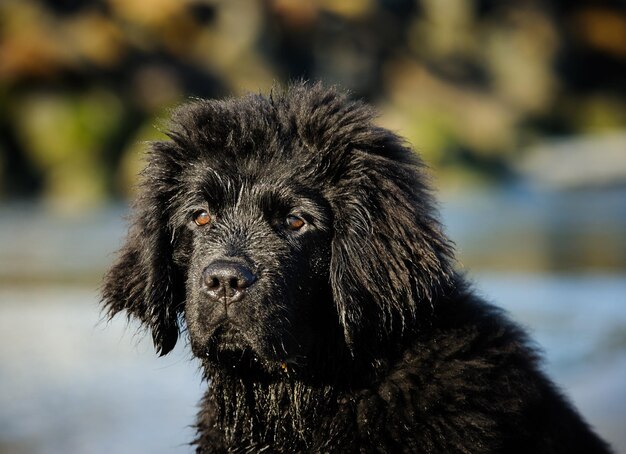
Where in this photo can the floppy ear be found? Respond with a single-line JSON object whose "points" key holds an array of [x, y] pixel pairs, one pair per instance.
{"points": [[145, 282], [390, 257]]}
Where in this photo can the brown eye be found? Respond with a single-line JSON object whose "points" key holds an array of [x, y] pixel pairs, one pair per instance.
{"points": [[201, 217], [294, 222]]}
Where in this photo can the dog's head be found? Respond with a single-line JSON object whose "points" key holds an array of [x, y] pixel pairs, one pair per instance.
{"points": [[275, 226]]}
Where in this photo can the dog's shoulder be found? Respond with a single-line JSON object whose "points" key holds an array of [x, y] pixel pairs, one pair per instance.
{"points": [[472, 382]]}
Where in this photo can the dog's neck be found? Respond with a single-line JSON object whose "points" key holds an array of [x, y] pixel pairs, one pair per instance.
{"points": [[281, 410], [287, 406]]}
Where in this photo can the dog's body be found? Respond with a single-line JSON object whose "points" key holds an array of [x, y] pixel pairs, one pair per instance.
{"points": [[298, 243]]}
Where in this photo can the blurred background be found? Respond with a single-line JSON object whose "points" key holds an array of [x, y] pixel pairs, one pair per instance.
{"points": [[519, 107]]}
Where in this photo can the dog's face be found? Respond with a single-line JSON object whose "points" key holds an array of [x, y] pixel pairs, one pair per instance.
{"points": [[257, 259], [279, 230]]}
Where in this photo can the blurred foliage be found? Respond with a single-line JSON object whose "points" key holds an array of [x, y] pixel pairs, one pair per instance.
{"points": [[471, 83]]}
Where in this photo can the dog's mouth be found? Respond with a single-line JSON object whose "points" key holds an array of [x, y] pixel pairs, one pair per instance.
{"points": [[230, 349]]}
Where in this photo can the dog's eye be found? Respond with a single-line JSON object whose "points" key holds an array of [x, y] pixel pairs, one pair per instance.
{"points": [[201, 217], [293, 222]]}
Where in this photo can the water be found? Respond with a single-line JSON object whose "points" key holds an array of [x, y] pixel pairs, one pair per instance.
{"points": [[72, 383]]}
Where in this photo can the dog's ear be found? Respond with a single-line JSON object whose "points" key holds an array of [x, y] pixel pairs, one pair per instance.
{"points": [[390, 258], [145, 282]]}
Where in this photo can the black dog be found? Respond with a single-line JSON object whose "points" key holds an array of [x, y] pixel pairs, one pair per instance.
{"points": [[298, 244]]}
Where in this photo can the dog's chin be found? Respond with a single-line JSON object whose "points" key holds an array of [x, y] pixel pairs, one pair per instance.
{"points": [[229, 350]]}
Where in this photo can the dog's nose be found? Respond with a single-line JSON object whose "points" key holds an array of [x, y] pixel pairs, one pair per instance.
{"points": [[226, 279]]}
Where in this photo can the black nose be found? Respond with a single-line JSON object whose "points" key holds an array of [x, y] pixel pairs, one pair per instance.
{"points": [[227, 279]]}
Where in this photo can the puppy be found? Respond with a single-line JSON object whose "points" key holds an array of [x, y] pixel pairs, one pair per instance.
{"points": [[296, 245]]}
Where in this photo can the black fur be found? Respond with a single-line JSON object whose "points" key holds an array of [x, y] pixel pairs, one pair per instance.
{"points": [[358, 335]]}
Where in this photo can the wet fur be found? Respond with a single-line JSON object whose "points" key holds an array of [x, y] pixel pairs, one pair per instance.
{"points": [[358, 336]]}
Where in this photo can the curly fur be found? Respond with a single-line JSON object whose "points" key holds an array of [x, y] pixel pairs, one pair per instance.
{"points": [[358, 335]]}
